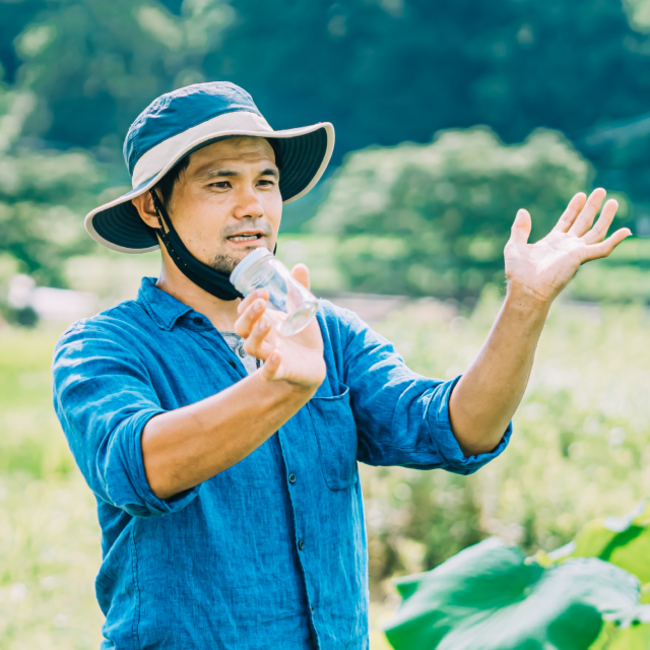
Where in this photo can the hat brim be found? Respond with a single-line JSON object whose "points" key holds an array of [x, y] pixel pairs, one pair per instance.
{"points": [[304, 155]]}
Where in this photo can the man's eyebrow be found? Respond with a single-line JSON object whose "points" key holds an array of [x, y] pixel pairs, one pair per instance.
{"points": [[212, 173]]}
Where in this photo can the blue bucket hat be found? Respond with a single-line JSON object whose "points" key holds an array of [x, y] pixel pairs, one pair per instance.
{"points": [[185, 120]]}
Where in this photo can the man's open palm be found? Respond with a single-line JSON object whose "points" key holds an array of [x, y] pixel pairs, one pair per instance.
{"points": [[541, 270]]}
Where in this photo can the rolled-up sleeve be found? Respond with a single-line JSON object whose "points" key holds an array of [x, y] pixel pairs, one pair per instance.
{"points": [[402, 417], [103, 398]]}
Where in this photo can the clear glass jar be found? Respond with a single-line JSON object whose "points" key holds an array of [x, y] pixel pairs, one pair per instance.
{"points": [[293, 306]]}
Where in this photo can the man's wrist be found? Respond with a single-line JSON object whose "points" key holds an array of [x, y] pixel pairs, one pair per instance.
{"points": [[523, 298], [525, 302]]}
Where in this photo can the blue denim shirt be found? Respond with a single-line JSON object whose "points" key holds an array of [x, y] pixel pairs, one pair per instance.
{"points": [[270, 553]]}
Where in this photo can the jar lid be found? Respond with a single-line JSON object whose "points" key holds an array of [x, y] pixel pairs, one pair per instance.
{"points": [[250, 259]]}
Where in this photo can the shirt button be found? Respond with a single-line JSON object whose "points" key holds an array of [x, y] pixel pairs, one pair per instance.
{"points": [[242, 352], [292, 478], [301, 545], [312, 609], [197, 320]]}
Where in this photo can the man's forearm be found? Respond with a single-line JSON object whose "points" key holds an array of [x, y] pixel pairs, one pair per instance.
{"points": [[488, 394], [183, 447]]}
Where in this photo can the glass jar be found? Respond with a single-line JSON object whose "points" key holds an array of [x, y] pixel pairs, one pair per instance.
{"points": [[292, 305]]}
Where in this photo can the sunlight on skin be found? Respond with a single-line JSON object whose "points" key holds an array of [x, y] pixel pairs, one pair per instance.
{"points": [[541, 270], [487, 396]]}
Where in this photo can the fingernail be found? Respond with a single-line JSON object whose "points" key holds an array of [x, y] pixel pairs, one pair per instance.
{"points": [[258, 306]]}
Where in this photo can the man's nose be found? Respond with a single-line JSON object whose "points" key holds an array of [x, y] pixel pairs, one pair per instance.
{"points": [[248, 205]]}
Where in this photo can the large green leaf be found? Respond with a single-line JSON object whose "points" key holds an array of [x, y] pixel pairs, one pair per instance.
{"points": [[623, 541], [489, 597], [629, 630]]}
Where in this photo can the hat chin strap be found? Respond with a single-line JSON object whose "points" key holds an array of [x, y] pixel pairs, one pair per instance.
{"points": [[210, 280]]}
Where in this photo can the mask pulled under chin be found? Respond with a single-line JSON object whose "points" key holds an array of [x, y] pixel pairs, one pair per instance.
{"points": [[210, 280]]}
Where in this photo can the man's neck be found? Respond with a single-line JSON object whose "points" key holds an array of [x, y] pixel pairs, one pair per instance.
{"points": [[222, 313]]}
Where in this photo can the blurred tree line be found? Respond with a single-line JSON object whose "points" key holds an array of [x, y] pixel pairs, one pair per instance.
{"points": [[383, 71], [432, 220]]}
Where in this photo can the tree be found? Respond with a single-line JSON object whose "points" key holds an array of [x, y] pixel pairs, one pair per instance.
{"points": [[383, 71], [43, 197], [433, 219]]}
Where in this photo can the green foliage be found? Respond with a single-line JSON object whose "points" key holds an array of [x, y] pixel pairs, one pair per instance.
{"points": [[624, 542], [489, 592], [43, 197], [489, 598], [433, 219], [579, 452], [49, 537], [95, 65], [49, 555], [31, 441], [614, 636], [383, 71]]}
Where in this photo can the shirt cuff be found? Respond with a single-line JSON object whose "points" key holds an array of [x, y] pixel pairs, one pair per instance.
{"points": [[152, 504], [442, 436]]}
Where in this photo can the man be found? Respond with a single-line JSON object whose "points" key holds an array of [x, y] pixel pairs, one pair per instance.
{"points": [[223, 456]]}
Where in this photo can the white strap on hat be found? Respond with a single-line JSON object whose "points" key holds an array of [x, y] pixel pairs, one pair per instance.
{"points": [[172, 149]]}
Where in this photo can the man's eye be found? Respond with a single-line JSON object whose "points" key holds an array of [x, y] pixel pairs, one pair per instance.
{"points": [[222, 185], [267, 183]]}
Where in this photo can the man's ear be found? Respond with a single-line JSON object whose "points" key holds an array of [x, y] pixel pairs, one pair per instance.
{"points": [[146, 209]]}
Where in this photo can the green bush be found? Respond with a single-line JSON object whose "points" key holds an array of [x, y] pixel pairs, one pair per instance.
{"points": [[580, 448], [44, 196], [432, 220]]}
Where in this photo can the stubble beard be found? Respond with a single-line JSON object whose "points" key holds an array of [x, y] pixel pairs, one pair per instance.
{"points": [[226, 263]]}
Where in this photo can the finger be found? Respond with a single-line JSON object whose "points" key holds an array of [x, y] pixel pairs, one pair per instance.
{"points": [[605, 248], [587, 214], [271, 366], [245, 323], [250, 298], [520, 230], [572, 211], [598, 232], [258, 343], [301, 273]]}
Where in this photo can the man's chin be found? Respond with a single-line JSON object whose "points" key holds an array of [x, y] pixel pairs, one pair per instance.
{"points": [[226, 263]]}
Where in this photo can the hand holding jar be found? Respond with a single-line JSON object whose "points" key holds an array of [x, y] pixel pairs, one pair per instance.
{"points": [[292, 304]]}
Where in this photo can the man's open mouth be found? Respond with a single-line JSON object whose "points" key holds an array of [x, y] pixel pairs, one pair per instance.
{"points": [[245, 237]]}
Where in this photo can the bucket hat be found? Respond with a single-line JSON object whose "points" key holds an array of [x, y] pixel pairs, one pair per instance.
{"points": [[185, 120]]}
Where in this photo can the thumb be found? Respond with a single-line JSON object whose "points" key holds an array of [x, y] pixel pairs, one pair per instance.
{"points": [[521, 227], [271, 365], [301, 273]]}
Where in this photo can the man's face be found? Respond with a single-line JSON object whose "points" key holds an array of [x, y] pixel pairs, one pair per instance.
{"points": [[227, 202]]}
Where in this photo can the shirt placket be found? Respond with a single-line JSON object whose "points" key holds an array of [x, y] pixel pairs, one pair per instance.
{"points": [[301, 532]]}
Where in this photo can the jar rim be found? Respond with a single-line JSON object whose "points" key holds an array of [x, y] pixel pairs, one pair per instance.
{"points": [[250, 260]]}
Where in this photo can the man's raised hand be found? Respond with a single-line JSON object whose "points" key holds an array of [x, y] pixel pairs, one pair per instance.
{"points": [[297, 359], [541, 270]]}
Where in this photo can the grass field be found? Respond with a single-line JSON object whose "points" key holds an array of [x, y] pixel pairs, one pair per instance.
{"points": [[581, 450]]}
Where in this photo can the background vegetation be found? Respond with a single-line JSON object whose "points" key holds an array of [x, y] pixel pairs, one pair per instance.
{"points": [[580, 452], [418, 202]]}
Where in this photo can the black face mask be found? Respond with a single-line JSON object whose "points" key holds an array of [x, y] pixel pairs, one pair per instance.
{"points": [[210, 280]]}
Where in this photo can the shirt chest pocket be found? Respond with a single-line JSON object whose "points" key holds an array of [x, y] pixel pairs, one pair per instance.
{"points": [[336, 433]]}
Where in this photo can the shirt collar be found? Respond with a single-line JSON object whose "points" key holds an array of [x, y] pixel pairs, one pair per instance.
{"points": [[163, 308]]}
